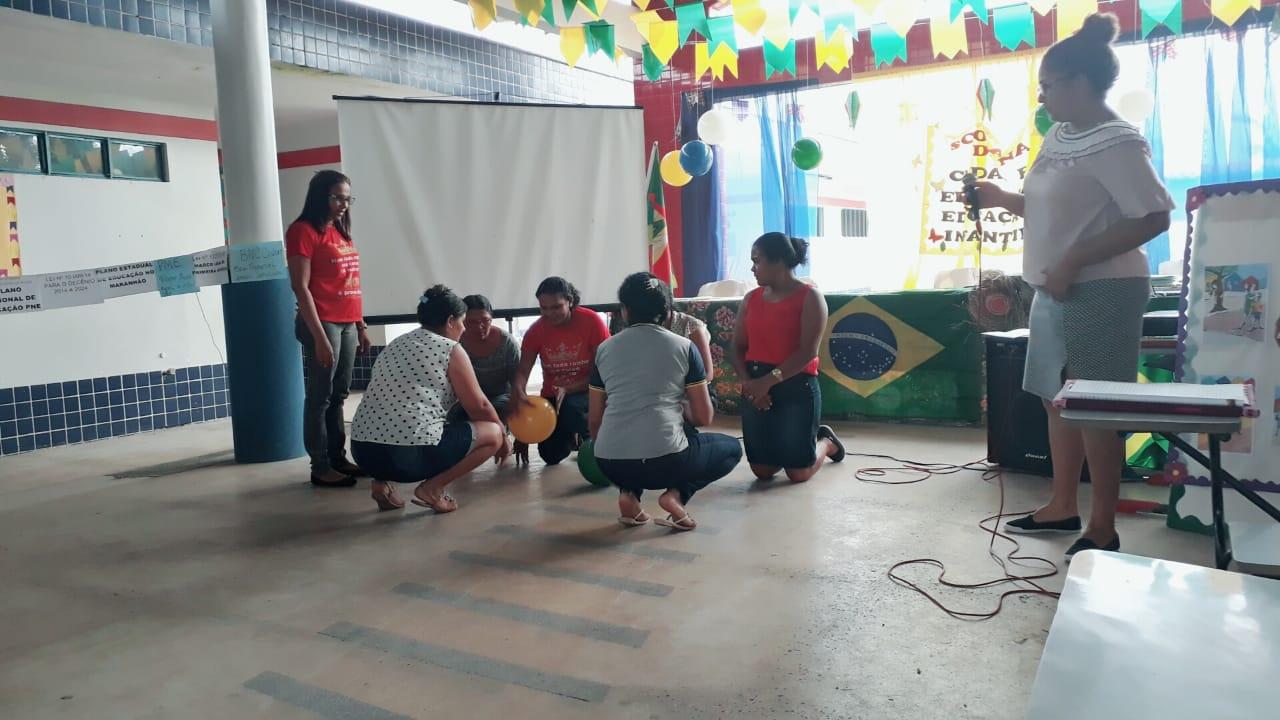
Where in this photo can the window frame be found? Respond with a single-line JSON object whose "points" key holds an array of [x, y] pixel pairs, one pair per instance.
{"points": [[41, 150], [106, 163], [162, 157]]}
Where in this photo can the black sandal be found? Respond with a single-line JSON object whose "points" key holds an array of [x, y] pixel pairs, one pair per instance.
{"points": [[826, 431], [346, 467]]}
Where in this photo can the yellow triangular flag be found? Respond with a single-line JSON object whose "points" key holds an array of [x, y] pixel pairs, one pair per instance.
{"points": [[573, 43], [643, 20], [868, 6], [483, 12], [664, 39], [949, 38], [777, 24], [531, 10], [1071, 15], [835, 51], [902, 14], [650, 4], [1041, 6], [722, 60], [749, 16], [701, 61], [1229, 11]]}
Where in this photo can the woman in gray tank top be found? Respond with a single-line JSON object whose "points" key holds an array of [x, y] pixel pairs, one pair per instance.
{"points": [[494, 355]]}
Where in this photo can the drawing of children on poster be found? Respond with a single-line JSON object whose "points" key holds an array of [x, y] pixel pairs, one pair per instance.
{"points": [[1237, 299]]}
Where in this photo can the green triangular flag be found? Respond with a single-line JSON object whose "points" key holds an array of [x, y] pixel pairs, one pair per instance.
{"points": [[1014, 25], [979, 9], [689, 18], [652, 65], [722, 33], [794, 7], [779, 60], [835, 21], [595, 6], [986, 96], [549, 13], [852, 106], [569, 6], [1161, 12], [887, 45], [600, 38]]}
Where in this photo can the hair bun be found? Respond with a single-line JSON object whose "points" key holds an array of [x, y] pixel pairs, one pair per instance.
{"points": [[1100, 28]]}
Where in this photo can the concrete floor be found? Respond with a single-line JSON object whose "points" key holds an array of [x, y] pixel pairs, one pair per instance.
{"points": [[240, 592]]}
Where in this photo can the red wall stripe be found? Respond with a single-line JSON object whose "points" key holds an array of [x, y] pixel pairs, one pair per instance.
{"points": [[44, 112], [331, 155]]}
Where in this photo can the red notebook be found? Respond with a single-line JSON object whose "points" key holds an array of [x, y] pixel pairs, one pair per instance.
{"points": [[1158, 398]]}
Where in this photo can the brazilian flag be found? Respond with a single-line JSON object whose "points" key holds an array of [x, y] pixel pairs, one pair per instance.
{"points": [[907, 355]]}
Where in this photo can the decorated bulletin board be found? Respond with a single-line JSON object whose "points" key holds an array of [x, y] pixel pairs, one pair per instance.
{"points": [[1230, 333]]}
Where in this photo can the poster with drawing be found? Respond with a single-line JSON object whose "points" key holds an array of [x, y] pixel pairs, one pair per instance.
{"points": [[1235, 297]]}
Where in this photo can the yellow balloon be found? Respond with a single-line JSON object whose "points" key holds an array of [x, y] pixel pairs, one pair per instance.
{"points": [[534, 421], [671, 172]]}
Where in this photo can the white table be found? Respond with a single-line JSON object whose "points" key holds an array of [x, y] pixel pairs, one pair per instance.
{"points": [[1217, 429], [1136, 638]]}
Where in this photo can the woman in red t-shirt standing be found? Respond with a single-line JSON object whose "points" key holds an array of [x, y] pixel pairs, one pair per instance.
{"points": [[775, 343], [324, 269], [565, 338]]}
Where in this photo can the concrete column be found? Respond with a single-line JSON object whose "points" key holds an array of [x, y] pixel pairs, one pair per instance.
{"points": [[264, 360]]}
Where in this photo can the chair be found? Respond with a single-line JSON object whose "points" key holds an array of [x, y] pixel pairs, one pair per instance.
{"points": [[723, 289]]}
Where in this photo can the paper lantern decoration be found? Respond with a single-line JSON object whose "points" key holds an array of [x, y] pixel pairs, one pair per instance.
{"points": [[696, 158], [806, 153], [852, 106], [1043, 120], [671, 172], [986, 96], [716, 127], [1136, 106]]}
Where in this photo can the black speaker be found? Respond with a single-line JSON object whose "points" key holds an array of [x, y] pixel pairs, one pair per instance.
{"points": [[1017, 427]]}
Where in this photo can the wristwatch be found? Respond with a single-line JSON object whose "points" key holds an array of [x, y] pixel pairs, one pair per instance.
{"points": [[777, 374]]}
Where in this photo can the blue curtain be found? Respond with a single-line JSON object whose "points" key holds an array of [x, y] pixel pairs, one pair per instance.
{"points": [[1240, 151], [1157, 249], [702, 211], [1213, 154], [1271, 120], [785, 189]]}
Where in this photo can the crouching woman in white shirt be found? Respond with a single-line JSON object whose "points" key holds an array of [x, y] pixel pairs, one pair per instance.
{"points": [[400, 433]]}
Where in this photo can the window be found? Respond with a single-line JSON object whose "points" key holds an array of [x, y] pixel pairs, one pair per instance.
{"points": [[76, 155], [137, 160], [853, 223], [21, 151], [821, 230]]}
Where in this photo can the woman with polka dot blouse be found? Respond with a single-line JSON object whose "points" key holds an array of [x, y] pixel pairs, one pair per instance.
{"points": [[400, 433]]}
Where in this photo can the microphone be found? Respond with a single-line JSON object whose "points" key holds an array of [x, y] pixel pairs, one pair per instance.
{"points": [[971, 195]]}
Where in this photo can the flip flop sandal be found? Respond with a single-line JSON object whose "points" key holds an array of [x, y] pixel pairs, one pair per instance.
{"points": [[683, 524], [388, 500], [634, 521], [445, 498]]}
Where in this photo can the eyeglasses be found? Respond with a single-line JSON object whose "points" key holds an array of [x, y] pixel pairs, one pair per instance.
{"points": [[347, 199]]}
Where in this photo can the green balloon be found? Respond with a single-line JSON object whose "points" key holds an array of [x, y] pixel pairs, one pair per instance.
{"points": [[806, 153], [588, 466], [1043, 120]]}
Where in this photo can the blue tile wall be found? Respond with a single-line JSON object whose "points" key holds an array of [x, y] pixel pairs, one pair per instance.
{"points": [[352, 39], [66, 413]]}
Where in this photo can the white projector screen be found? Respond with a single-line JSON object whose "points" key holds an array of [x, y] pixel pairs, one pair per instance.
{"points": [[491, 198]]}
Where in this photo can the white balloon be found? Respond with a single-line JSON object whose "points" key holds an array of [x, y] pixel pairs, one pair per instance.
{"points": [[1136, 106], [717, 127]]}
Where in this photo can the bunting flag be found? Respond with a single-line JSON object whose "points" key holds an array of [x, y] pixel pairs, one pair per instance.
{"points": [[643, 20], [664, 38], [777, 27], [901, 15], [833, 20], [749, 15], [950, 37], [701, 61], [1229, 11], [692, 17], [718, 61], [1071, 15], [887, 45], [1014, 25], [652, 65], [573, 44], [549, 14], [483, 12], [601, 37], [722, 35], [530, 11], [1161, 12], [868, 6], [656, 212], [834, 51], [979, 8], [594, 8], [779, 60], [652, 4], [1043, 7]]}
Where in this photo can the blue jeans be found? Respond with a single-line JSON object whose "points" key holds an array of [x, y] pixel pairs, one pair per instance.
{"points": [[785, 435], [415, 463], [324, 429], [709, 457]]}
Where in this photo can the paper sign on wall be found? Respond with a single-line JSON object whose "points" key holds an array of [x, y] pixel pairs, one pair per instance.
{"points": [[132, 279], [260, 261], [71, 289], [21, 295], [176, 275], [211, 267]]}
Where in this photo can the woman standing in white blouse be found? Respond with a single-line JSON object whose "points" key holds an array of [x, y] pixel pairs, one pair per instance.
{"points": [[400, 433], [1091, 201]]}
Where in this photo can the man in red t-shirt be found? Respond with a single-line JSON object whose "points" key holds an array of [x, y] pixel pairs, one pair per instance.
{"points": [[565, 339]]}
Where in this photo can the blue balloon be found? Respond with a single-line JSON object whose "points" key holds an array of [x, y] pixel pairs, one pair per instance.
{"points": [[696, 157]]}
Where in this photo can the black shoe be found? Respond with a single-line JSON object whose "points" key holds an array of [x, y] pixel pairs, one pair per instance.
{"points": [[1029, 525], [1086, 544], [346, 467], [825, 431], [345, 482]]}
